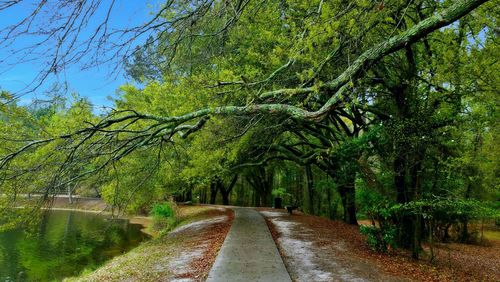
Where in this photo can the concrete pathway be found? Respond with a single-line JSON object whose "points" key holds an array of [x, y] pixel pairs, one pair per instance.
{"points": [[249, 252]]}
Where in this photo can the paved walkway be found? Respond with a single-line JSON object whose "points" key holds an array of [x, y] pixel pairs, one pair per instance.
{"points": [[249, 252]]}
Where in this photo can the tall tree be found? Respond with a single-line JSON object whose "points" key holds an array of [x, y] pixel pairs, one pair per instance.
{"points": [[308, 69]]}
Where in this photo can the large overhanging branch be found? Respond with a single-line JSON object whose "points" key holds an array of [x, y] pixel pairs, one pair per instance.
{"points": [[340, 85], [160, 128], [459, 9]]}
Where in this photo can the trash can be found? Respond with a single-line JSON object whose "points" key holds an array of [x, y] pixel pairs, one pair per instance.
{"points": [[277, 203]]}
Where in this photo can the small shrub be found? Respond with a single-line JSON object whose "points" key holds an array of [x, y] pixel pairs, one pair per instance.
{"points": [[163, 210], [379, 239], [164, 216]]}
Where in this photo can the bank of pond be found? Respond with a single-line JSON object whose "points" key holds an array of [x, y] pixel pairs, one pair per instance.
{"points": [[64, 244]]}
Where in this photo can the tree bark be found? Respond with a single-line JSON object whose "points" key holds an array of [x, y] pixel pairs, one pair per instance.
{"points": [[226, 191], [329, 199], [213, 192], [70, 193], [310, 189], [348, 197]]}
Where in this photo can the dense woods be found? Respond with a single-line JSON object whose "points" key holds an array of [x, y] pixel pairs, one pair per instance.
{"points": [[378, 110]]}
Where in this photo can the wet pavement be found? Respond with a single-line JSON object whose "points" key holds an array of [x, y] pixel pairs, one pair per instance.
{"points": [[249, 252]]}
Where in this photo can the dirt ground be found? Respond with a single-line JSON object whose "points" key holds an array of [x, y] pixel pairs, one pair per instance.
{"points": [[319, 249], [185, 254], [79, 203]]}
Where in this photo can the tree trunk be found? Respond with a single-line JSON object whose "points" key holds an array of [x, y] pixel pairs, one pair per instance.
{"points": [[406, 224], [415, 176], [262, 182], [200, 195], [225, 198], [213, 192], [351, 206], [70, 194], [310, 189], [329, 199], [348, 195], [226, 191], [348, 198], [188, 195], [256, 198]]}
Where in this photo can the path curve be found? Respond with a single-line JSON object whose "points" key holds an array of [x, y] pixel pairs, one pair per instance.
{"points": [[249, 252]]}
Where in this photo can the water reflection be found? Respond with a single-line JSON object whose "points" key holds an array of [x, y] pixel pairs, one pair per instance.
{"points": [[63, 244]]}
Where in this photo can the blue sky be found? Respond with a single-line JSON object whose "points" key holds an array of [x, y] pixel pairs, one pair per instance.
{"points": [[96, 84]]}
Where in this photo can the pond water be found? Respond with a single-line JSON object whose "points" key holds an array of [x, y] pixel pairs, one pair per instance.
{"points": [[64, 244]]}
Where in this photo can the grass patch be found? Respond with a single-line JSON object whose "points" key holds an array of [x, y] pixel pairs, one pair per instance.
{"points": [[149, 261]]}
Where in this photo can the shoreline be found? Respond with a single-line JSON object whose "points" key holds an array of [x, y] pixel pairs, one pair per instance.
{"points": [[184, 254], [145, 221], [97, 206]]}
